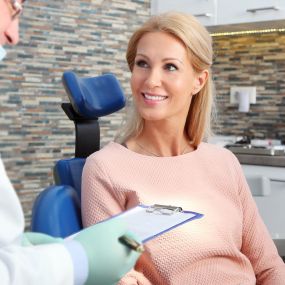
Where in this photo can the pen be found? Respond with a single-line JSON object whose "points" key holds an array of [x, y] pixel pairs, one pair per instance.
{"points": [[131, 243]]}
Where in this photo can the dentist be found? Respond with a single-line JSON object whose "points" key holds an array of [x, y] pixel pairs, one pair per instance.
{"points": [[94, 256]]}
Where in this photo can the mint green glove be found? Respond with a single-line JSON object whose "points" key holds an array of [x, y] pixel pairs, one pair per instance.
{"points": [[32, 238], [109, 260]]}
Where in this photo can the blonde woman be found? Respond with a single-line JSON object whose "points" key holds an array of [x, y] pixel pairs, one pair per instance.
{"points": [[160, 157]]}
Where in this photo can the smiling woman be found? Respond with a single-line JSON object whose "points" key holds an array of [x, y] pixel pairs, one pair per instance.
{"points": [[166, 38], [163, 80], [161, 158]]}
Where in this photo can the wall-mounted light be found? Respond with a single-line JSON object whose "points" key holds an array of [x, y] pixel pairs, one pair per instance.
{"points": [[247, 32], [243, 96]]}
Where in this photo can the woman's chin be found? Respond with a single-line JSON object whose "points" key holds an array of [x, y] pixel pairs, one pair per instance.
{"points": [[152, 116]]}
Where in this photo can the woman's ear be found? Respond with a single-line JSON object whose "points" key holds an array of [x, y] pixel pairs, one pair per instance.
{"points": [[201, 79]]}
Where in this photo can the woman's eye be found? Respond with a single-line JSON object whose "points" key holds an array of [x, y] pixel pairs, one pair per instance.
{"points": [[170, 67], [142, 63]]}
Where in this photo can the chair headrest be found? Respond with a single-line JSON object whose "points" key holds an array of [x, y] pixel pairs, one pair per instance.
{"points": [[94, 96]]}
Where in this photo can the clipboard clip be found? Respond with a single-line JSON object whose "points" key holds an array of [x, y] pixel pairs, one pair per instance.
{"points": [[163, 209]]}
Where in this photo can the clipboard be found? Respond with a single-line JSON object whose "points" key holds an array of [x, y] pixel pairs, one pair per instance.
{"points": [[149, 222]]}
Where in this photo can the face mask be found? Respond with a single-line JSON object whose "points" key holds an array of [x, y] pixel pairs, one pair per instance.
{"points": [[2, 53]]}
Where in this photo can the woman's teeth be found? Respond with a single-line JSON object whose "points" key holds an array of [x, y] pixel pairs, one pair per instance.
{"points": [[154, 97]]}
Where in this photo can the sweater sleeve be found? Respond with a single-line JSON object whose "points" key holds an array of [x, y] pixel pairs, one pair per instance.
{"points": [[100, 200], [257, 243], [134, 278]]}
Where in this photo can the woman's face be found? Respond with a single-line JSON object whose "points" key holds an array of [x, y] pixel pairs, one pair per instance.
{"points": [[163, 80]]}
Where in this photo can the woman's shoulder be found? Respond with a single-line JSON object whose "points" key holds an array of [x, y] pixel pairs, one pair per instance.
{"points": [[214, 150], [213, 147], [107, 148], [104, 158], [219, 158], [110, 149]]}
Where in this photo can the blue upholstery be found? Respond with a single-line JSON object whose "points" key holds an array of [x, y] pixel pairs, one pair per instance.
{"points": [[80, 92], [68, 172], [56, 210]]}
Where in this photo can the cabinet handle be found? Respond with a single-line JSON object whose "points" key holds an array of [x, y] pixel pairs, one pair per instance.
{"points": [[277, 180], [262, 9], [203, 15]]}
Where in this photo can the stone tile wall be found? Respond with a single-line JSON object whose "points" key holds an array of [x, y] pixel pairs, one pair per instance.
{"points": [[252, 60], [87, 36]]}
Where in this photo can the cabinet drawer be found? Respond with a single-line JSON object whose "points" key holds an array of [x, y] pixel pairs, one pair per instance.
{"points": [[204, 10], [234, 12], [272, 211], [272, 172], [270, 200]]}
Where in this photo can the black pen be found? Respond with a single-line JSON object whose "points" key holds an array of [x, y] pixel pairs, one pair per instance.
{"points": [[131, 243]]}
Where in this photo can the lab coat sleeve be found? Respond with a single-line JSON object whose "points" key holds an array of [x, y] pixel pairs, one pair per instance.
{"points": [[11, 213], [44, 264], [34, 265]]}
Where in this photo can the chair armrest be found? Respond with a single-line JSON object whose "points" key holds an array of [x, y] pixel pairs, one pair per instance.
{"points": [[57, 212]]}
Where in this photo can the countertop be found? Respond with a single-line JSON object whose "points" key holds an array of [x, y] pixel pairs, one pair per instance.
{"points": [[267, 160], [254, 158]]}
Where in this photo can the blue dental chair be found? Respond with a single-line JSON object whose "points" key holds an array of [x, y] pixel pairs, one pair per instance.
{"points": [[57, 209]]}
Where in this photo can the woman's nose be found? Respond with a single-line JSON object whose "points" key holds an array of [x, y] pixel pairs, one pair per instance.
{"points": [[154, 79], [12, 32]]}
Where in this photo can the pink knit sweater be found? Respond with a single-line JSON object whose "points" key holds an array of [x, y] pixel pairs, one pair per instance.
{"points": [[230, 245]]}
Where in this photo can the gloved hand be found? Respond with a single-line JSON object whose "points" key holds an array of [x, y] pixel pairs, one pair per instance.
{"points": [[33, 238], [109, 260]]}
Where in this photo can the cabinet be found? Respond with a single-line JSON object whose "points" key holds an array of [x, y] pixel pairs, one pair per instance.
{"points": [[204, 10], [234, 12], [270, 202], [224, 12]]}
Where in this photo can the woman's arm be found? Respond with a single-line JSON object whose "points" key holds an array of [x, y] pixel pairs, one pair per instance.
{"points": [[257, 244], [100, 200]]}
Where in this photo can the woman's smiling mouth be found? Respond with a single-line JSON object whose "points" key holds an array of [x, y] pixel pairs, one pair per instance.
{"points": [[154, 97]]}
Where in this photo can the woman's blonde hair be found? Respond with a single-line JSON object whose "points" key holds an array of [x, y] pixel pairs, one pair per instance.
{"points": [[198, 43]]}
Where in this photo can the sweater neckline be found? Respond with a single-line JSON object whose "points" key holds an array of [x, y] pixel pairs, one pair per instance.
{"points": [[133, 153]]}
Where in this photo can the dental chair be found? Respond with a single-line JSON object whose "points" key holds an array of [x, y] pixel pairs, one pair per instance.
{"points": [[56, 210]]}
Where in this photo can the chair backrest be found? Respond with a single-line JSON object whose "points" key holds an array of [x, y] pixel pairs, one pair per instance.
{"points": [[69, 172], [56, 210]]}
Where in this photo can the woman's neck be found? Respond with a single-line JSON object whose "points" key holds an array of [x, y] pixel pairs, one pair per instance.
{"points": [[160, 142]]}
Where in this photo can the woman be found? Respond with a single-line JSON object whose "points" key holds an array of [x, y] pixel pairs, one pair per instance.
{"points": [[160, 158]]}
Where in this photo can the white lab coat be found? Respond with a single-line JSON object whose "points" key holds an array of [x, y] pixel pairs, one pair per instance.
{"points": [[34, 265]]}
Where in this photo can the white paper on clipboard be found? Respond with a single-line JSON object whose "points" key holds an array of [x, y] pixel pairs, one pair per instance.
{"points": [[146, 222]]}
